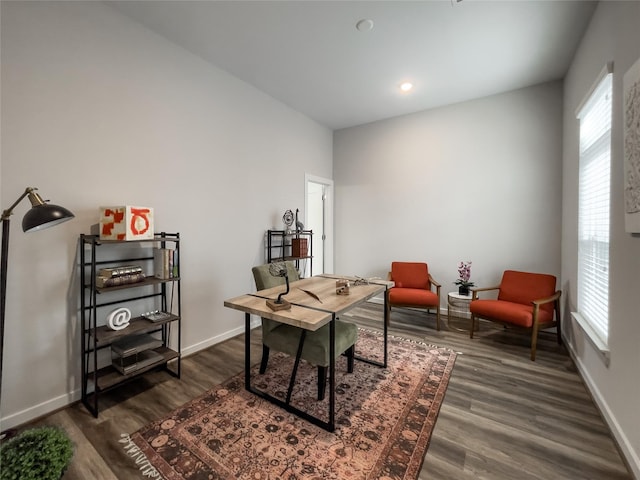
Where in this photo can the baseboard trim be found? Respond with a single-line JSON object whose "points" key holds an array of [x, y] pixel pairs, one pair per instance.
{"points": [[629, 455], [195, 348], [443, 310], [46, 408], [40, 410]]}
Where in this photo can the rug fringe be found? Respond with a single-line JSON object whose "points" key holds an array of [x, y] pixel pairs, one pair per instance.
{"points": [[411, 340], [145, 466]]}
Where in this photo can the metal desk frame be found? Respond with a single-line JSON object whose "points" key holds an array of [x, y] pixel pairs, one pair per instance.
{"points": [[305, 305]]}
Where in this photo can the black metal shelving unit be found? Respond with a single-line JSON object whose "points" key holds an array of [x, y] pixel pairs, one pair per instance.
{"points": [[98, 376], [280, 246]]}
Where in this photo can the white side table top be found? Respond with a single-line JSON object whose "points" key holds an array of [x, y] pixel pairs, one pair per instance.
{"points": [[457, 296]]}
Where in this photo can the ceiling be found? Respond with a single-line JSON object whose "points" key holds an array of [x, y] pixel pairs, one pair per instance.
{"points": [[310, 55]]}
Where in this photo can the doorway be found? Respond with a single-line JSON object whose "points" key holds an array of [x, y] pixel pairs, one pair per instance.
{"points": [[319, 218]]}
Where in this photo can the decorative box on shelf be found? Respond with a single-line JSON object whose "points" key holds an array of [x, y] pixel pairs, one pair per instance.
{"points": [[299, 247], [126, 223]]}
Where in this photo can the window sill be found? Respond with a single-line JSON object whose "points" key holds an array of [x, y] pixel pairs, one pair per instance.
{"points": [[601, 347]]}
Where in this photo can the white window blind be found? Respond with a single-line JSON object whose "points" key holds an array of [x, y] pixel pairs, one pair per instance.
{"points": [[593, 208]]}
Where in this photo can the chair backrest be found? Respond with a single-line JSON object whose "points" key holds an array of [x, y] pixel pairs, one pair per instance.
{"points": [[524, 287], [264, 280], [410, 275]]}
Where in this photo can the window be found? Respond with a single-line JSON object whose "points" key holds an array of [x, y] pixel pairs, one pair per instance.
{"points": [[593, 211]]}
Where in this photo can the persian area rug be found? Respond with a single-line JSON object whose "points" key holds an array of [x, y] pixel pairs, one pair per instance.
{"points": [[384, 419]]}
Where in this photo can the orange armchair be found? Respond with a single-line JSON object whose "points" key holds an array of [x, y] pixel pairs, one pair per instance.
{"points": [[413, 288], [527, 300]]}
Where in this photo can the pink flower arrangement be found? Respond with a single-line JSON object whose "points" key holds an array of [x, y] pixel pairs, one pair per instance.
{"points": [[464, 271]]}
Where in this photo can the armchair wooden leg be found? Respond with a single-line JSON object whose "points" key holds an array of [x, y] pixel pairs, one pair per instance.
{"points": [[558, 323], [534, 341], [438, 318], [322, 382], [265, 359], [473, 325]]}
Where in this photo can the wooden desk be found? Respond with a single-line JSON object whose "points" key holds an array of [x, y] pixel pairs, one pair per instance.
{"points": [[308, 313]]}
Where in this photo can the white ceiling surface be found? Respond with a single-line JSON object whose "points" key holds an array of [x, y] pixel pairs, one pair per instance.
{"points": [[310, 56]]}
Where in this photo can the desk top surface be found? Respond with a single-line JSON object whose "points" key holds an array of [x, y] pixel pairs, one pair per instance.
{"points": [[306, 311]]}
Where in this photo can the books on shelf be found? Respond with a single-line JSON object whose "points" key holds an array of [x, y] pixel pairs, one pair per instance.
{"points": [[119, 271], [102, 282], [165, 263], [135, 352], [130, 364], [134, 344], [299, 247]]}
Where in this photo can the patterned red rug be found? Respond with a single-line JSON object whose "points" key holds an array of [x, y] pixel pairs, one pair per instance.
{"points": [[384, 420]]}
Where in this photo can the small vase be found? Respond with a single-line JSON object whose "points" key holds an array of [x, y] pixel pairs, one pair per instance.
{"points": [[463, 290]]}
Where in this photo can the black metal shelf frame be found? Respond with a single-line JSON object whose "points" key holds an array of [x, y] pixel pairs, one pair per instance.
{"points": [[279, 246], [95, 379]]}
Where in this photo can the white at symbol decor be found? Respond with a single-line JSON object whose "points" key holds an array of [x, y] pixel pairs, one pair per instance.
{"points": [[119, 319]]}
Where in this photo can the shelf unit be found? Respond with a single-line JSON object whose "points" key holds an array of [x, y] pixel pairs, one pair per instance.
{"points": [[280, 247], [98, 374]]}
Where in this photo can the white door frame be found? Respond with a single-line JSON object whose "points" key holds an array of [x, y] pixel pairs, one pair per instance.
{"points": [[328, 217]]}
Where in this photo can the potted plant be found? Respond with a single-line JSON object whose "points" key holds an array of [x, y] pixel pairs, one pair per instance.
{"points": [[464, 271], [41, 453]]}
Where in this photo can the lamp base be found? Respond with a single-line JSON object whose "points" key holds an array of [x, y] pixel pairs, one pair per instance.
{"points": [[275, 306]]}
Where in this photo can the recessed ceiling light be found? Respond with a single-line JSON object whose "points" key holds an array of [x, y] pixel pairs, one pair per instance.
{"points": [[406, 86], [364, 25]]}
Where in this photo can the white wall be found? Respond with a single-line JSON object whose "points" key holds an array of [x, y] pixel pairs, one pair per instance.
{"points": [[97, 110], [613, 35], [476, 181]]}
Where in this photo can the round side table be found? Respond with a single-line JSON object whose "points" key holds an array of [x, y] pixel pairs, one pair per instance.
{"points": [[458, 304]]}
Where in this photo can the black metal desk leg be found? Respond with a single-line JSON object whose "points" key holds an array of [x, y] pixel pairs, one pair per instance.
{"points": [[303, 334], [386, 325], [247, 351], [332, 373]]}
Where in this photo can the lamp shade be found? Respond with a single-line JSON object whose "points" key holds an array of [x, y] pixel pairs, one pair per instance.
{"points": [[45, 216], [42, 215]]}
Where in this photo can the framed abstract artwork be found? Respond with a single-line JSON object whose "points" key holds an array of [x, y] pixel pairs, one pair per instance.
{"points": [[631, 134], [126, 223]]}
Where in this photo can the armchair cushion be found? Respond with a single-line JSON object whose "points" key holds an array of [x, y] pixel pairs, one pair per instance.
{"points": [[525, 287], [410, 275], [515, 313], [413, 296]]}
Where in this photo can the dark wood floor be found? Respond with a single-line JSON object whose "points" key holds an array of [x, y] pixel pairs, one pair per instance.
{"points": [[504, 417]]}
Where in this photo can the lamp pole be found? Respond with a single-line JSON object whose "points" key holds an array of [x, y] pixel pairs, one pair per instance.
{"points": [[3, 286]]}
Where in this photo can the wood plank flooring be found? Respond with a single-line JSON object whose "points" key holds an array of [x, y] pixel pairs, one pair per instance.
{"points": [[503, 417]]}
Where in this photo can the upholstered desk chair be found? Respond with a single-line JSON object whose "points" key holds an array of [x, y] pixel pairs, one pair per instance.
{"points": [[285, 338], [526, 300], [413, 288]]}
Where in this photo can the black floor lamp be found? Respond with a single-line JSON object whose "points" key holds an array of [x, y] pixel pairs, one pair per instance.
{"points": [[41, 215]]}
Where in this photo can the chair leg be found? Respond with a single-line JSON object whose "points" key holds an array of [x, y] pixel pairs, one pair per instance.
{"points": [[438, 318], [473, 325], [350, 353], [265, 359], [322, 382], [558, 323], [534, 341]]}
